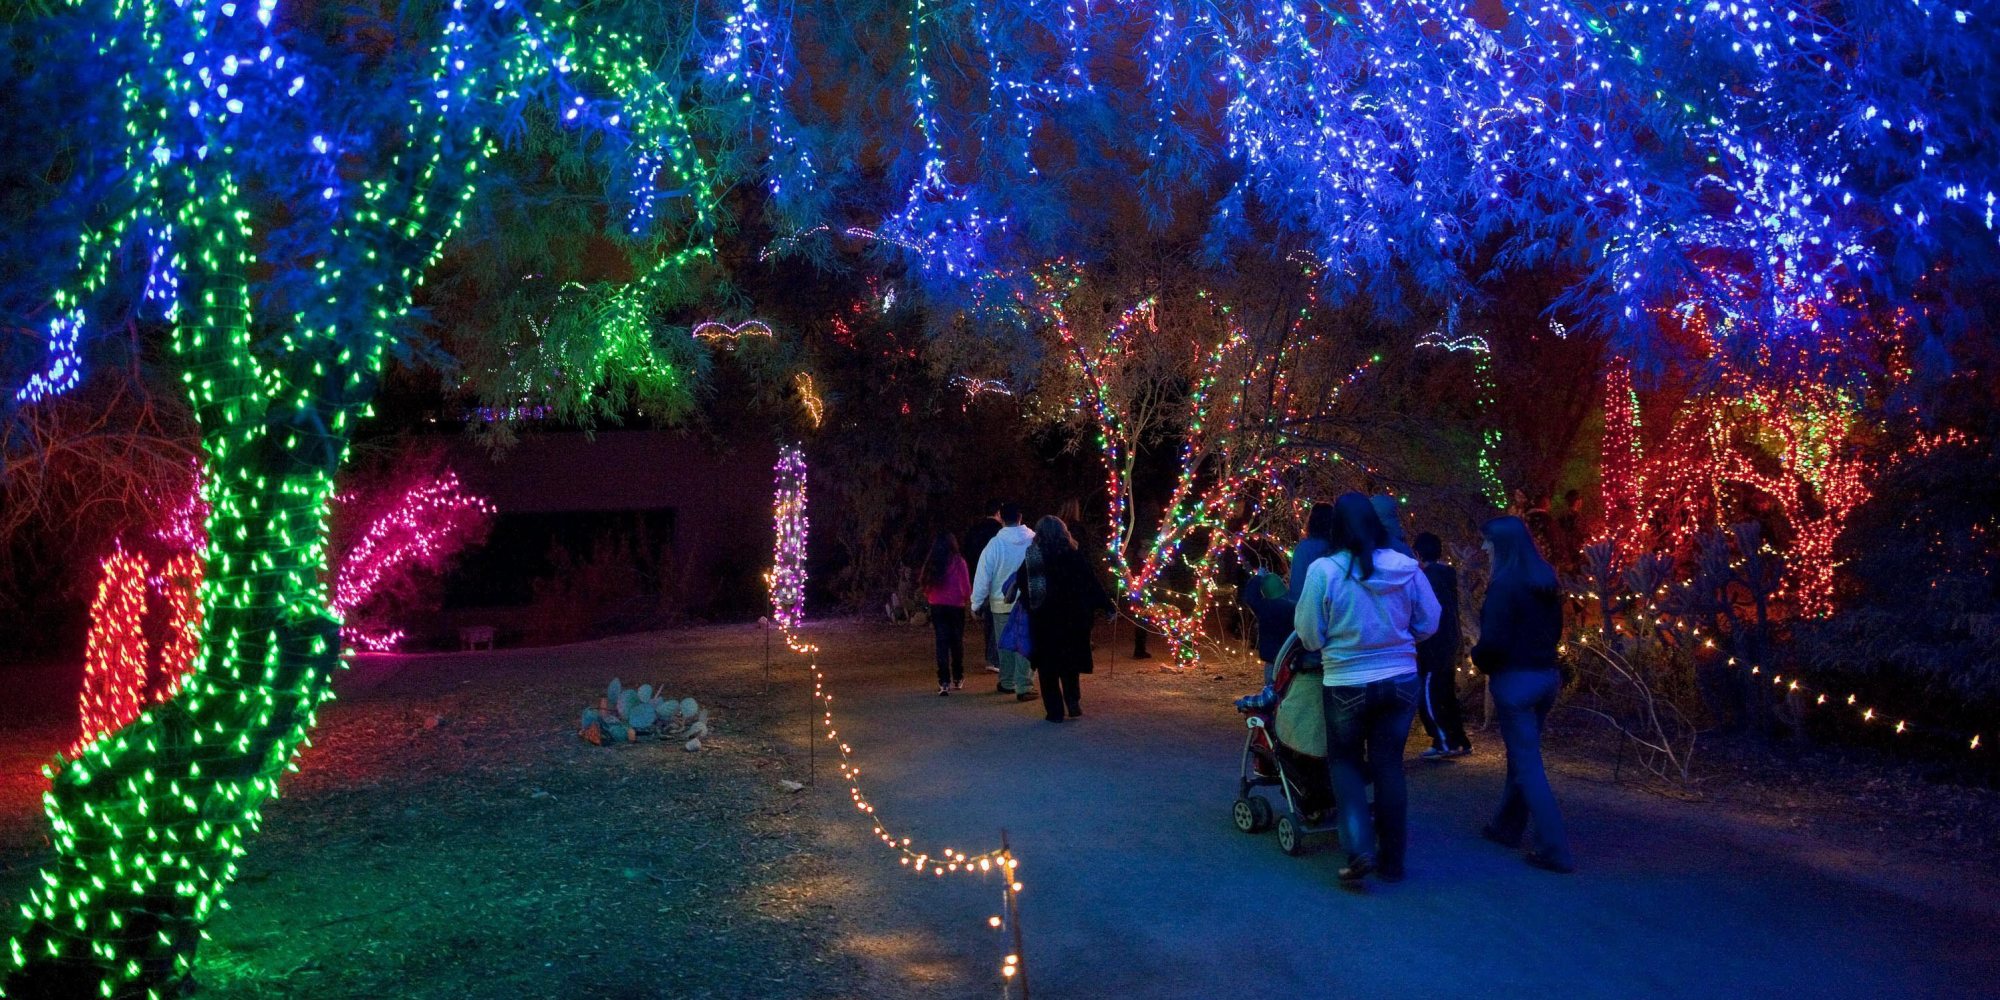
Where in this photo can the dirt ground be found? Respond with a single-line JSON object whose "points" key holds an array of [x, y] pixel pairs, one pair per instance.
{"points": [[449, 836]]}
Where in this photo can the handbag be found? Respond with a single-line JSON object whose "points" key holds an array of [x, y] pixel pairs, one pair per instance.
{"points": [[1014, 638]]}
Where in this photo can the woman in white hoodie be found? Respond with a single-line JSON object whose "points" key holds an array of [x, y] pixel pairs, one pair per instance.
{"points": [[1365, 607]]}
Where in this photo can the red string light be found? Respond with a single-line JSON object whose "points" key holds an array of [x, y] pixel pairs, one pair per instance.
{"points": [[114, 662]]}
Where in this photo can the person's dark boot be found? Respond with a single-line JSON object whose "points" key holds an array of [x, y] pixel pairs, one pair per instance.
{"points": [[1139, 645]]}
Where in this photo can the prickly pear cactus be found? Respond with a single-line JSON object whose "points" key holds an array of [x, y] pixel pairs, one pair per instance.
{"points": [[624, 715], [642, 715]]}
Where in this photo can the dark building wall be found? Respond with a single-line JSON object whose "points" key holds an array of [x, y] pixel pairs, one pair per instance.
{"points": [[716, 500]]}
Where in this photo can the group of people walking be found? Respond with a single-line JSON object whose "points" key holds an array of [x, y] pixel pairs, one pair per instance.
{"points": [[1034, 574], [1382, 616]]}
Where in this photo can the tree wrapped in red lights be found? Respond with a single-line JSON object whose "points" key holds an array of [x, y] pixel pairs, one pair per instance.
{"points": [[1739, 438]]}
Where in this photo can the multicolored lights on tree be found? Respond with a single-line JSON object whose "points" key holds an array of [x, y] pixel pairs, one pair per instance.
{"points": [[1245, 402], [1796, 445], [787, 576]]}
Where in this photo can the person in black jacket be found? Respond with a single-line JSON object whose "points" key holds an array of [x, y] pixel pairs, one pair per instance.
{"points": [[1519, 627], [976, 537], [1437, 658], [1063, 598]]}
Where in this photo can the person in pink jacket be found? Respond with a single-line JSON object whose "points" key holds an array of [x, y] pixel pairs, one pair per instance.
{"points": [[947, 589]]}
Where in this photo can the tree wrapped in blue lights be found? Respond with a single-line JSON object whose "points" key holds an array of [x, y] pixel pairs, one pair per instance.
{"points": [[1793, 163]]}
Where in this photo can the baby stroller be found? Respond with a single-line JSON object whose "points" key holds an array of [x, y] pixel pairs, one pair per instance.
{"points": [[1269, 762]]}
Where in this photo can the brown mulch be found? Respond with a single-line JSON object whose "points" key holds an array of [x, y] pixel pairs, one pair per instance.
{"points": [[1857, 798]]}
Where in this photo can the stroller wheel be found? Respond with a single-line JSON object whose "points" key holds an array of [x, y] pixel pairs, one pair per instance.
{"points": [[1260, 807], [1245, 815], [1290, 840]]}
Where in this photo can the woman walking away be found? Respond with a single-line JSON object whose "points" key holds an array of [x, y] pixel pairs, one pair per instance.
{"points": [[1063, 597], [947, 589], [1364, 608], [1519, 626], [1317, 543], [1437, 658]]}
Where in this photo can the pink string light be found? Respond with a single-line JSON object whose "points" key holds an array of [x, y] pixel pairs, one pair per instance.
{"points": [[424, 525]]}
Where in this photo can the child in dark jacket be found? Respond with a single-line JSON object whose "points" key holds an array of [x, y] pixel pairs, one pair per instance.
{"points": [[1263, 593]]}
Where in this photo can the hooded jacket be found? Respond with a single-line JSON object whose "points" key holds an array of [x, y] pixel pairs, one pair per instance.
{"points": [[1367, 630], [1000, 559]]}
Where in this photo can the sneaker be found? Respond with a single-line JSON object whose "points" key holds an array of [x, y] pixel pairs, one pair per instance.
{"points": [[1464, 751], [1075, 712], [944, 689], [1027, 695], [991, 669], [1357, 868], [1003, 689], [1437, 753], [958, 685]]}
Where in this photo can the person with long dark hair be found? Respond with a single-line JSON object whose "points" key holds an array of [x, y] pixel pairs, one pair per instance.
{"points": [[1364, 609], [1520, 626], [1063, 597], [1317, 543], [947, 589]]}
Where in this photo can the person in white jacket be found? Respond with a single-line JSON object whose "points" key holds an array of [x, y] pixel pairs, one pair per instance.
{"points": [[1364, 608], [1000, 560]]}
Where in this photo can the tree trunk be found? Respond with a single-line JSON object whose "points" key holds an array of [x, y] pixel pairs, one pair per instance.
{"points": [[149, 821]]}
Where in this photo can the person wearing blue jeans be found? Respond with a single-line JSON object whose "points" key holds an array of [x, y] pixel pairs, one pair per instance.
{"points": [[1366, 728], [1521, 701], [1520, 629], [1364, 608]]}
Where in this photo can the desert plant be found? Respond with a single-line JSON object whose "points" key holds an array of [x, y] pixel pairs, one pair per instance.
{"points": [[628, 715], [1611, 687]]}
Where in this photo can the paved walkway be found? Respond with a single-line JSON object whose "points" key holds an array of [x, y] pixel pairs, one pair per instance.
{"points": [[1138, 886]]}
